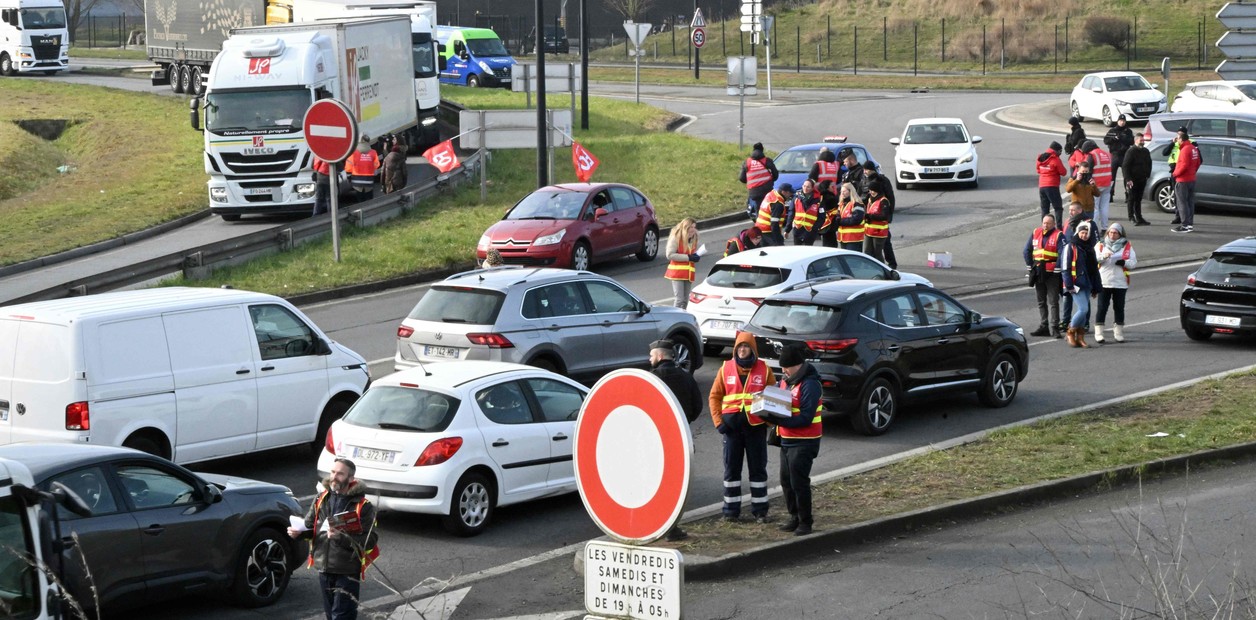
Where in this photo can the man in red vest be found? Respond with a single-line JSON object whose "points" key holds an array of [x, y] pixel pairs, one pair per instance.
{"points": [[1101, 171], [759, 173], [800, 436], [1042, 256], [745, 436], [361, 167], [340, 553], [826, 167]]}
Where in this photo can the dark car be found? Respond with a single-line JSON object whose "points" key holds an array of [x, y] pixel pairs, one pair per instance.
{"points": [[1226, 178], [876, 344], [794, 163], [1163, 127], [555, 41], [158, 531], [1220, 298], [574, 225]]}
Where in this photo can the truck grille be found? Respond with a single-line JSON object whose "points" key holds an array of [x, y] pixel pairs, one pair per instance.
{"points": [[46, 52], [259, 164]]}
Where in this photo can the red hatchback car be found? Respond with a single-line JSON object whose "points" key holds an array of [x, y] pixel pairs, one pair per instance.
{"points": [[574, 225]]}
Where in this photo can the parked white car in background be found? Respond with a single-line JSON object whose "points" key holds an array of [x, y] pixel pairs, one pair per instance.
{"points": [[1217, 96], [935, 150], [1109, 94]]}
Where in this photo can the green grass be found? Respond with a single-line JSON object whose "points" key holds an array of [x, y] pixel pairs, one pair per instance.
{"points": [[137, 164], [109, 52], [683, 176], [1205, 416]]}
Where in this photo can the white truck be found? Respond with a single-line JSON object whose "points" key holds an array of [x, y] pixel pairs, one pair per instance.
{"points": [[30, 544], [427, 61], [260, 86], [33, 37]]}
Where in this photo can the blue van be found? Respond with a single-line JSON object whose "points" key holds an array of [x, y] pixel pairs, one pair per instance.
{"points": [[473, 57]]}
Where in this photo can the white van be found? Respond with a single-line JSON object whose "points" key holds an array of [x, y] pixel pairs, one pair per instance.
{"points": [[185, 373]]}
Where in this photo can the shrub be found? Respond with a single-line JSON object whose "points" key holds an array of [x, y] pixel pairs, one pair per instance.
{"points": [[1111, 31]]}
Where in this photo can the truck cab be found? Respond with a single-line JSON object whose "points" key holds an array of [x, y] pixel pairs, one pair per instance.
{"points": [[474, 57], [33, 37]]}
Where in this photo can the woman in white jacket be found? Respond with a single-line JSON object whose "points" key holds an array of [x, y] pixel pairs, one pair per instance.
{"points": [[1116, 258]]}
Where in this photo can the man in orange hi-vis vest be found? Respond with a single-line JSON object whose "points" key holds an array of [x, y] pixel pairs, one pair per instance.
{"points": [[759, 173]]}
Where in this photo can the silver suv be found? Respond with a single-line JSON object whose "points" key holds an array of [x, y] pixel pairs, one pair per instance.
{"points": [[576, 323]]}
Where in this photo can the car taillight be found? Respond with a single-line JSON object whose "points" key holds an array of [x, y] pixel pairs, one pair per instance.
{"points": [[1147, 134], [492, 341], [1190, 279], [697, 298], [77, 417], [832, 346], [329, 444], [757, 301], [405, 332], [439, 451]]}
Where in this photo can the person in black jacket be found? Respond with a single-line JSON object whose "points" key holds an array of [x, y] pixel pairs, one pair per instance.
{"points": [[1136, 169], [1118, 140], [1076, 136], [663, 365], [759, 173], [870, 176]]}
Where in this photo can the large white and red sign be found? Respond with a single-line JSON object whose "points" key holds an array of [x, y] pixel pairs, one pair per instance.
{"points": [[632, 452], [330, 130]]}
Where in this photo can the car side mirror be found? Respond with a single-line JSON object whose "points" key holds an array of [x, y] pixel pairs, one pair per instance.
{"points": [[1155, 87], [1097, 89], [974, 317], [976, 139], [601, 212], [212, 494], [464, 55], [643, 307], [321, 347], [894, 141], [895, 275]]}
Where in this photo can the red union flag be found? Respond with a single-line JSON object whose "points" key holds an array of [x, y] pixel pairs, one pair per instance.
{"points": [[584, 161], [442, 156]]}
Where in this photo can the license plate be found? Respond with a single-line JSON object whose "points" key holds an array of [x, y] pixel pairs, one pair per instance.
{"points": [[1228, 321], [372, 454], [258, 191], [446, 352], [1146, 108], [724, 324], [935, 170]]}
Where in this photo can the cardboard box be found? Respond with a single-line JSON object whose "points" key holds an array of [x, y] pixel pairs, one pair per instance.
{"points": [[772, 401], [939, 260]]}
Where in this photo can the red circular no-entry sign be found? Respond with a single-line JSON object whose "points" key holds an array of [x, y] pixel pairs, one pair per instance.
{"points": [[330, 130], [632, 456]]}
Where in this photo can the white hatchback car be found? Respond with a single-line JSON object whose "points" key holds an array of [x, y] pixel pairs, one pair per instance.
{"points": [[935, 150], [459, 439], [1109, 94], [1217, 96], [738, 284]]}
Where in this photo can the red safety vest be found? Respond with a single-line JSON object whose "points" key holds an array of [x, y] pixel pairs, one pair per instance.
{"points": [[367, 556], [850, 234], [737, 393], [764, 220], [828, 171], [876, 230], [805, 217], [810, 431], [1049, 251], [734, 246], [1101, 171], [681, 270], [756, 173]]}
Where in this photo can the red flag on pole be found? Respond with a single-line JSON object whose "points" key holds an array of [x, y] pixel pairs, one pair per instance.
{"points": [[442, 156], [584, 161]]}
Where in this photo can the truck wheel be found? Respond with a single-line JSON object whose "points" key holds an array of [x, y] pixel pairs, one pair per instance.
{"points": [[197, 88], [185, 79], [172, 75], [6, 66], [473, 80]]}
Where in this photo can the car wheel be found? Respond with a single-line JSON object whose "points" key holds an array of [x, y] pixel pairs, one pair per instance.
{"points": [[262, 574], [196, 88], [1108, 120], [1077, 112], [684, 351], [649, 245], [712, 350], [334, 410], [473, 80], [6, 66], [878, 405], [471, 507], [1165, 201], [544, 363], [974, 184], [580, 256], [1001, 382], [172, 75], [144, 444], [1197, 333]]}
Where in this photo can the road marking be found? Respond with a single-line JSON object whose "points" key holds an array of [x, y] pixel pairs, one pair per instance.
{"points": [[1018, 289], [438, 607], [987, 116], [1061, 340]]}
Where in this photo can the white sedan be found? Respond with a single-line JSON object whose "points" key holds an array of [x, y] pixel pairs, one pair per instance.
{"points": [[935, 150], [459, 439], [1217, 96], [738, 284], [1109, 94]]}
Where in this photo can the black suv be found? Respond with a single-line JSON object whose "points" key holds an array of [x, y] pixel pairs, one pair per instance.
{"points": [[1220, 298], [876, 343]]}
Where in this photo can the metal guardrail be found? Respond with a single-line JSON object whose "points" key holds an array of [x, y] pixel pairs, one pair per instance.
{"points": [[200, 261]]}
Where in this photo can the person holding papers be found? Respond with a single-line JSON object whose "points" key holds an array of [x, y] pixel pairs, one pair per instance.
{"points": [[800, 436]]}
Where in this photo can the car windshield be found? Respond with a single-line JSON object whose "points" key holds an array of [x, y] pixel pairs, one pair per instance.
{"points": [[549, 205], [784, 317], [1126, 83], [403, 409], [937, 133], [746, 276], [1221, 266], [43, 19], [796, 160], [459, 304], [1248, 90], [231, 113], [487, 47], [424, 52]]}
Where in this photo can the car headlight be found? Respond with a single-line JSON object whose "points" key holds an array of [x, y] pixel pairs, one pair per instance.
{"points": [[218, 194], [484, 66], [305, 190], [550, 239], [904, 160], [967, 158], [482, 244], [1119, 102]]}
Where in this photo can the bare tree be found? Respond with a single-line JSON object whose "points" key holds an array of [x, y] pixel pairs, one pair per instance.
{"points": [[75, 12], [631, 10]]}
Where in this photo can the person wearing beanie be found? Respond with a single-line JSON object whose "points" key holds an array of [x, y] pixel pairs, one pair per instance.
{"points": [[1118, 140], [800, 436], [1082, 189], [744, 434], [773, 213], [1073, 141], [394, 168], [1080, 272], [877, 216], [1115, 256], [1050, 171], [886, 186], [748, 239], [1101, 172], [1136, 169], [826, 167], [759, 173], [361, 167]]}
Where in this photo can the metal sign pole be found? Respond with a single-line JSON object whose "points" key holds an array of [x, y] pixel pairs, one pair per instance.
{"points": [[637, 76], [549, 122], [527, 87], [335, 211], [571, 86], [741, 112], [767, 47], [483, 162]]}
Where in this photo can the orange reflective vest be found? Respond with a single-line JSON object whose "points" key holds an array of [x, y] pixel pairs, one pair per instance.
{"points": [[810, 431], [850, 234], [804, 216], [681, 270], [738, 393], [1101, 171], [764, 220], [756, 173], [828, 171], [877, 229], [361, 168], [1047, 251], [366, 556], [734, 246]]}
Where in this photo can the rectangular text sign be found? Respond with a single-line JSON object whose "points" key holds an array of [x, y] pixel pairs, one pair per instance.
{"points": [[642, 583]]}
